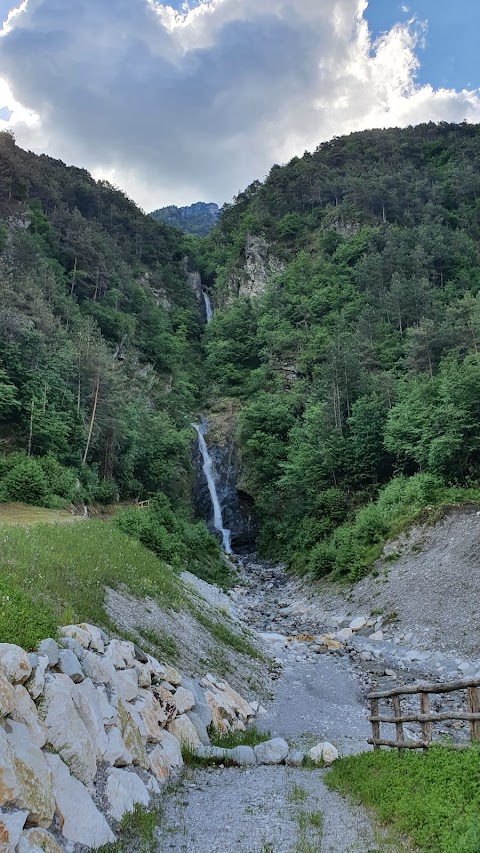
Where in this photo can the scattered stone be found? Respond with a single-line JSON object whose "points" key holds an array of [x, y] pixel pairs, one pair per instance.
{"points": [[295, 758], [14, 663], [358, 624], [140, 655], [344, 634], [325, 752], [124, 790], [272, 751], [172, 675], [378, 635], [69, 664], [80, 821]]}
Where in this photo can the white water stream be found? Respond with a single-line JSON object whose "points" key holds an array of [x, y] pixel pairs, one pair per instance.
{"points": [[208, 306], [209, 472]]}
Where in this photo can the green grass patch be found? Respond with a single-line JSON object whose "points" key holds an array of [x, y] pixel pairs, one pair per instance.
{"points": [[229, 740], [433, 799], [51, 574], [136, 831]]}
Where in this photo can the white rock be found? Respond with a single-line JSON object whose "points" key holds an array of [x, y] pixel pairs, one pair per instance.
{"points": [[75, 632], [126, 683], [80, 820], [36, 684], [325, 752], [152, 785], [171, 749], [159, 764], [184, 730], [144, 674], [96, 637], [200, 727], [184, 700], [66, 730], [14, 663], [99, 668], [272, 751], [131, 726], [244, 756], [25, 711], [295, 758], [49, 648], [7, 696], [11, 827], [124, 790], [88, 702], [69, 664], [38, 841], [121, 653], [117, 753], [172, 675], [152, 715], [344, 634], [358, 624], [34, 784], [378, 635], [156, 668]]}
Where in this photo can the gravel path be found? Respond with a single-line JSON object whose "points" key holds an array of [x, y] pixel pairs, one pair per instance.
{"points": [[280, 809]]}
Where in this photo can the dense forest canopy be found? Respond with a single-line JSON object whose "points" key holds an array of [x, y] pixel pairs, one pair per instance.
{"points": [[358, 366], [99, 339]]}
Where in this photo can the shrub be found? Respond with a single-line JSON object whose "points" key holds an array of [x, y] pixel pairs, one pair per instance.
{"points": [[27, 482], [106, 492], [22, 620]]}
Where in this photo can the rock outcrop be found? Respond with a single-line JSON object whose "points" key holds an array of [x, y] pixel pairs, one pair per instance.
{"points": [[259, 266], [89, 728]]}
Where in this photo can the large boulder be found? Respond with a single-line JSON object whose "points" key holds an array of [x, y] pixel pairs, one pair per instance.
{"points": [[38, 841], [36, 683], [117, 753], [66, 731], [69, 664], [14, 663], [7, 696], [25, 711], [199, 727], [159, 764], [75, 632], [49, 648], [184, 700], [126, 684], [152, 715], [124, 790], [11, 827], [184, 730], [272, 751], [121, 653], [130, 722], [244, 756], [171, 749], [98, 639], [89, 703], [323, 752], [98, 667], [79, 819], [27, 780]]}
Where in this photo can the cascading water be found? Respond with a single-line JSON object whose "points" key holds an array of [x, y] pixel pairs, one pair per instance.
{"points": [[208, 306], [209, 472]]}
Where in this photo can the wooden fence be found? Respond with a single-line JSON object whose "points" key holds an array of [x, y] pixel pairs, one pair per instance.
{"points": [[143, 504], [424, 717]]}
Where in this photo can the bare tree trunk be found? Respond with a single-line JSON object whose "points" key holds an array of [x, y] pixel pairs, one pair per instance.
{"points": [[92, 419], [30, 435], [74, 278]]}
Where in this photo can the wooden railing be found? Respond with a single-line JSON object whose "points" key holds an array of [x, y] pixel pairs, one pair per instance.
{"points": [[424, 717], [143, 504]]}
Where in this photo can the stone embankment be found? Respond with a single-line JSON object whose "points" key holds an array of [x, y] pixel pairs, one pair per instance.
{"points": [[91, 726]]}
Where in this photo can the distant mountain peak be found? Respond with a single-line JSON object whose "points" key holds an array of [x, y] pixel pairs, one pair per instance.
{"points": [[198, 218]]}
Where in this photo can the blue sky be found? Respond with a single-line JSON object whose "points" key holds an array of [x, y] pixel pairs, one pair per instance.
{"points": [[450, 57], [176, 114]]}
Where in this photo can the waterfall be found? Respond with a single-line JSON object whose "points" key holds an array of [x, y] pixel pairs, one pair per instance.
{"points": [[209, 472], [208, 307]]}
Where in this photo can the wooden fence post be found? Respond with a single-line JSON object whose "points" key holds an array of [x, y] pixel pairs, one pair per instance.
{"points": [[473, 704], [397, 712], [375, 726], [425, 709]]}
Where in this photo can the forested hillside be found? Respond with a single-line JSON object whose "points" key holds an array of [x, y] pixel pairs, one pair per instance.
{"points": [[357, 365], [99, 340]]}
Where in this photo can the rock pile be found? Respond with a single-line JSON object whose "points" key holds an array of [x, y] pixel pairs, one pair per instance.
{"points": [[89, 727]]}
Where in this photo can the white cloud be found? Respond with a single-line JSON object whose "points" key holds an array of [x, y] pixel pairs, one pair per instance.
{"points": [[176, 107]]}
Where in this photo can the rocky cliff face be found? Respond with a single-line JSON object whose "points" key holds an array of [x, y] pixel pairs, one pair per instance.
{"points": [[198, 218], [259, 266], [237, 506]]}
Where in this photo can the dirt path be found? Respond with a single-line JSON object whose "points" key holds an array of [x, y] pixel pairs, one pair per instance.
{"points": [[280, 809]]}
